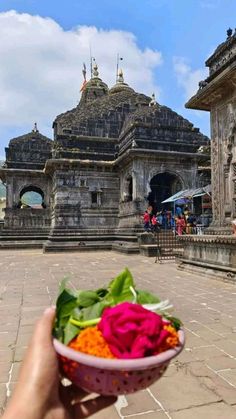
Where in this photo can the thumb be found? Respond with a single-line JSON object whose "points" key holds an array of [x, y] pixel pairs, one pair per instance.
{"points": [[43, 329]]}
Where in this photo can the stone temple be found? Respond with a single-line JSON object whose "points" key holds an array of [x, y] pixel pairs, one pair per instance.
{"points": [[112, 155]]}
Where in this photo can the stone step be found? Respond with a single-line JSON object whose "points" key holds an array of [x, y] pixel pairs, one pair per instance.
{"points": [[23, 233], [22, 238], [164, 251], [80, 246], [124, 247], [21, 244], [92, 238]]}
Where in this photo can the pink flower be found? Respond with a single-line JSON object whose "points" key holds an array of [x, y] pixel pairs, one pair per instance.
{"points": [[131, 331]]}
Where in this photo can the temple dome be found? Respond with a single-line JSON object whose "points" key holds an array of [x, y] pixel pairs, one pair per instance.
{"points": [[31, 137], [120, 85], [102, 117], [31, 149], [94, 88]]}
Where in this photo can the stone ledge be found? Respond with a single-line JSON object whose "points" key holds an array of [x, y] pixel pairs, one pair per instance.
{"points": [[75, 246], [208, 239], [124, 247], [208, 270]]}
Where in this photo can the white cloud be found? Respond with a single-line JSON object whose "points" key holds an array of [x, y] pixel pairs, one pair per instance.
{"points": [[187, 77], [40, 72]]}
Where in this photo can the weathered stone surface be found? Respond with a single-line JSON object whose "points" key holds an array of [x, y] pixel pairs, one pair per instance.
{"points": [[211, 411]]}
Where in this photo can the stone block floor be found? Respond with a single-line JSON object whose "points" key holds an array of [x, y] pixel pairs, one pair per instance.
{"points": [[200, 383]]}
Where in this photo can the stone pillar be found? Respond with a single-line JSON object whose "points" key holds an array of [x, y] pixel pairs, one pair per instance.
{"points": [[217, 94]]}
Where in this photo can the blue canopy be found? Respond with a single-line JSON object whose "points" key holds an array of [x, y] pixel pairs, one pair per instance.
{"points": [[188, 194]]}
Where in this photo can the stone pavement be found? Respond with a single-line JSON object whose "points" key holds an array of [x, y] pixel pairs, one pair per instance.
{"points": [[200, 383]]}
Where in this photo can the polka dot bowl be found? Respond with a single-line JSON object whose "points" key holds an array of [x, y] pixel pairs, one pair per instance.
{"points": [[114, 376]]}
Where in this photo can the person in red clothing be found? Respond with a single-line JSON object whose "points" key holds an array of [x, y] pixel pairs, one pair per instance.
{"points": [[146, 220], [154, 224], [180, 225]]}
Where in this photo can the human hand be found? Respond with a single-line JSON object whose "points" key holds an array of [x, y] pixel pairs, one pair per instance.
{"points": [[39, 393]]}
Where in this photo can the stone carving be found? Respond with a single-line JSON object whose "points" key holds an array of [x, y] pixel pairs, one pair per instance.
{"points": [[215, 177], [153, 102], [202, 84], [223, 54], [229, 134]]}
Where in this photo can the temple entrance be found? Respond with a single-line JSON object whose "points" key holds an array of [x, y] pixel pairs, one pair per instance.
{"points": [[163, 185]]}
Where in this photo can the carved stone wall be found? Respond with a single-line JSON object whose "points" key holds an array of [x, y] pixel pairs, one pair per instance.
{"points": [[85, 198], [223, 155]]}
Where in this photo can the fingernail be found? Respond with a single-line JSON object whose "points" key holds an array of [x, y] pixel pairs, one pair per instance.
{"points": [[49, 310]]}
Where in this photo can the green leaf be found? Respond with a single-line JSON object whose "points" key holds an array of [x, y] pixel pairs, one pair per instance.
{"points": [[176, 323], [87, 298], [65, 298], [77, 313], [58, 332], [102, 292], [62, 284], [70, 331], [119, 288], [94, 311], [145, 297], [65, 304]]}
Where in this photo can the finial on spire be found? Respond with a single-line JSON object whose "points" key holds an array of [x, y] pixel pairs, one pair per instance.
{"points": [[134, 144], [120, 76], [35, 129], [95, 70], [117, 67], [153, 101], [229, 32]]}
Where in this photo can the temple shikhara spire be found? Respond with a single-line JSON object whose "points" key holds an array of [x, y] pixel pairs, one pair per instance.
{"points": [[35, 128]]}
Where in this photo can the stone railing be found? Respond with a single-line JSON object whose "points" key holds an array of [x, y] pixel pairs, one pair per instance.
{"points": [[211, 255], [29, 218], [204, 238]]}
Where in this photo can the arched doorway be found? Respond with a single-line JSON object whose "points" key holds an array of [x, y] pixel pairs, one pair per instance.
{"points": [[128, 192], [163, 185], [31, 197]]}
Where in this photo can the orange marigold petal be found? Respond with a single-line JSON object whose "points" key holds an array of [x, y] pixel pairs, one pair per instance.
{"points": [[90, 341]]}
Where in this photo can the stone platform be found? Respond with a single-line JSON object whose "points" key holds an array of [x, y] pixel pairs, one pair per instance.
{"points": [[200, 383], [209, 255]]}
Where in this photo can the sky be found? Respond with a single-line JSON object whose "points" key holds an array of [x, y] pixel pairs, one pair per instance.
{"points": [[43, 44]]}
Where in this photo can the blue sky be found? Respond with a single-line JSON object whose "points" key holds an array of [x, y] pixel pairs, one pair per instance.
{"points": [[164, 44]]}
